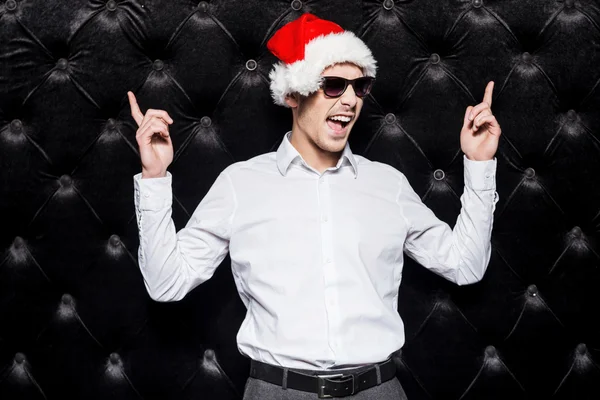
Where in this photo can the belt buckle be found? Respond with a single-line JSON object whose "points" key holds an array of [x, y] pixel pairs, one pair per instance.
{"points": [[321, 384]]}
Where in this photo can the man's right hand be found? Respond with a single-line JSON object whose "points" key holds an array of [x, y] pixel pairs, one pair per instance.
{"points": [[156, 148]]}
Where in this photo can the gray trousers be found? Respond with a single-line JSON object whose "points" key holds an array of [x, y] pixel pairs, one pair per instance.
{"points": [[260, 390]]}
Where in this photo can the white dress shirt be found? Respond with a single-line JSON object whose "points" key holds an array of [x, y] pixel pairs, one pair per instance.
{"points": [[317, 258]]}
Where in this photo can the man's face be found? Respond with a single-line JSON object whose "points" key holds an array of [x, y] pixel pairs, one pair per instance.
{"points": [[323, 122]]}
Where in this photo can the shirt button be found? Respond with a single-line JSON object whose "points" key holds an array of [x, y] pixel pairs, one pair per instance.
{"points": [[146, 195], [321, 180], [324, 219], [328, 261]]}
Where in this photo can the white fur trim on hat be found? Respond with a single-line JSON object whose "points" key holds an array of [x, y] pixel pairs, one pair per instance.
{"points": [[304, 76]]}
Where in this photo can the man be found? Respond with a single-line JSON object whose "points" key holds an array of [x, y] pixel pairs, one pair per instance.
{"points": [[315, 233]]}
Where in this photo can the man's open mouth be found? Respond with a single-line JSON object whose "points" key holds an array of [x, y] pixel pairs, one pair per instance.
{"points": [[338, 122]]}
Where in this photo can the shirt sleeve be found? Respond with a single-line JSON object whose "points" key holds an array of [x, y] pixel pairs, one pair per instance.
{"points": [[462, 254], [173, 263]]}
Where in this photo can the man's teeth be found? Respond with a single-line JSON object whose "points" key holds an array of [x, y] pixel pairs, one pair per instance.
{"points": [[340, 118]]}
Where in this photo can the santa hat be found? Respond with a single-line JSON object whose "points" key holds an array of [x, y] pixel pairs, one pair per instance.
{"points": [[305, 47]]}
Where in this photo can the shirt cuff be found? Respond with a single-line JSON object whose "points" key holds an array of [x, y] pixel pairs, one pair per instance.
{"points": [[153, 193], [480, 175]]}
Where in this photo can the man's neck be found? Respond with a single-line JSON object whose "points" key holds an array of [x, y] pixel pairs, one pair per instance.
{"points": [[312, 154]]}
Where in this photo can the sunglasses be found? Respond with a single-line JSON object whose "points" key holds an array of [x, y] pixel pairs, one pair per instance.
{"points": [[335, 86]]}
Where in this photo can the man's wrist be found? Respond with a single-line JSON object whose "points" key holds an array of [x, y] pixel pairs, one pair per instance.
{"points": [[149, 175], [472, 158]]}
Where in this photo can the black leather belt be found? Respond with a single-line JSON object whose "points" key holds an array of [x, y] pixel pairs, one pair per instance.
{"points": [[328, 385]]}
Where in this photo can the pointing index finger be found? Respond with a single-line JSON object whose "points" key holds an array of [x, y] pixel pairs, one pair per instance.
{"points": [[487, 97], [136, 113]]}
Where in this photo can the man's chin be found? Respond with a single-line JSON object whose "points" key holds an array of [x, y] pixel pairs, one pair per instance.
{"points": [[335, 142]]}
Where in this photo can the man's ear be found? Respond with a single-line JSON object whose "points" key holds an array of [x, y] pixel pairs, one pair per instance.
{"points": [[292, 100]]}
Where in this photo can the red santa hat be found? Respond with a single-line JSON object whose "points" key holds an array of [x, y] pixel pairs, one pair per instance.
{"points": [[305, 47]]}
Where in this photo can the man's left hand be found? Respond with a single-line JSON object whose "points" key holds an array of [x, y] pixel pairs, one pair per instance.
{"points": [[480, 132]]}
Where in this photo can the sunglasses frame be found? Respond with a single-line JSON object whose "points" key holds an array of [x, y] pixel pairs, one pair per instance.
{"points": [[347, 82]]}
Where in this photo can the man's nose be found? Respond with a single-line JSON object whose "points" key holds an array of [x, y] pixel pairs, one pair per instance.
{"points": [[349, 97]]}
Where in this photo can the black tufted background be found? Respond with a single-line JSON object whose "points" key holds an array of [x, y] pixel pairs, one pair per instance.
{"points": [[75, 319]]}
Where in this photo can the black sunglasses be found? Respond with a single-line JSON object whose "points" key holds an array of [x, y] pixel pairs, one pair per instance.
{"points": [[335, 86]]}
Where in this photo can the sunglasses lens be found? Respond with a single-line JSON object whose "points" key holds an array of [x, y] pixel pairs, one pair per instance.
{"points": [[362, 86], [334, 87]]}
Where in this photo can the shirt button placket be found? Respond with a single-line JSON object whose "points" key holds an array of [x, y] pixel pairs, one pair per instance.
{"points": [[329, 271], [324, 210]]}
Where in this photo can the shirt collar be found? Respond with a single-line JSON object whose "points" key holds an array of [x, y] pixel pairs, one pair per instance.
{"points": [[286, 154]]}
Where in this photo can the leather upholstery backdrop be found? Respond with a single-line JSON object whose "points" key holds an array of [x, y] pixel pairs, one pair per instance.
{"points": [[75, 319]]}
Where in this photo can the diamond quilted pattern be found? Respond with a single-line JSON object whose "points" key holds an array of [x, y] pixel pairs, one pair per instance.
{"points": [[75, 318]]}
